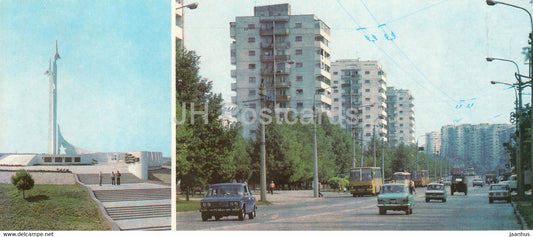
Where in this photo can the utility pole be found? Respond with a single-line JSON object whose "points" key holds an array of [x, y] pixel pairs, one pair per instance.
{"points": [[263, 150]]}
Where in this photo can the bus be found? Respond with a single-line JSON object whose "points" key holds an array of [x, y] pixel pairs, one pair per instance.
{"points": [[402, 177], [421, 178], [365, 181]]}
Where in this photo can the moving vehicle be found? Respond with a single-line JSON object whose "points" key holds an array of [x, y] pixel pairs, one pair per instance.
{"points": [[477, 182], [456, 171], [470, 171], [228, 199], [436, 191], [402, 177], [499, 192], [421, 178], [459, 184], [396, 197], [491, 178], [365, 181]]}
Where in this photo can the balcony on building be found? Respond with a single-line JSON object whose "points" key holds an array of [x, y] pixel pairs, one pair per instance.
{"points": [[233, 73], [279, 58], [283, 98], [234, 99], [232, 29], [279, 45], [285, 84], [277, 31], [233, 86]]}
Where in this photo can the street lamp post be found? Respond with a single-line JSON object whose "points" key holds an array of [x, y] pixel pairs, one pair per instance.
{"points": [[492, 3], [315, 155], [518, 109], [374, 138]]}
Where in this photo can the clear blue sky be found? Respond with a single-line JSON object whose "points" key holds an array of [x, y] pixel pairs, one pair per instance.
{"points": [[114, 75], [439, 51]]}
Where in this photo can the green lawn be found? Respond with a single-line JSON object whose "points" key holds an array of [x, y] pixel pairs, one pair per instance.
{"points": [[49, 207], [524, 207]]}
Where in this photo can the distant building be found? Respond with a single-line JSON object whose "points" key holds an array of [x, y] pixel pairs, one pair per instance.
{"points": [[433, 143], [178, 29], [288, 55], [479, 146], [359, 99], [401, 117]]}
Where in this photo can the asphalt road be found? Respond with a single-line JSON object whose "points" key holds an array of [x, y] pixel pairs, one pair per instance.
{"points": [[340, 211]]}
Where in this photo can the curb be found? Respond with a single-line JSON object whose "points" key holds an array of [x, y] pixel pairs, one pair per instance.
{"points": [[523, 222], [101, 207]]}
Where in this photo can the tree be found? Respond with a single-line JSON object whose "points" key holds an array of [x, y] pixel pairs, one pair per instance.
{"points": [[22, 181]]}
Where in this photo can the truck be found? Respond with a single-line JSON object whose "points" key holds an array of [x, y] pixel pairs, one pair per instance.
{"points": [[459, 184]]}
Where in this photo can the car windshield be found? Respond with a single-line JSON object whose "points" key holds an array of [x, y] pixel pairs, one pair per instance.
{"points": [[435, 187], [498, 187], [393, 189], [220, 191], [360, 175]]}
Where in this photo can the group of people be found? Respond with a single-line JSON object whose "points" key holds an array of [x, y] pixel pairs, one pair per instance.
{"points": [[115, 178], [63, 170]]}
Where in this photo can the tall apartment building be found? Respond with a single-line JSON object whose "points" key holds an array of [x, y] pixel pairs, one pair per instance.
{"points": [[359, 99], [401, 117], [288, 55], [178, 29], [433, 143], [479, 146]]}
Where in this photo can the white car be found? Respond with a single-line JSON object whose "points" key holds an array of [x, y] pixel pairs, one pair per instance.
{"points": [[511, 182], [499, 192], [436, 191]]}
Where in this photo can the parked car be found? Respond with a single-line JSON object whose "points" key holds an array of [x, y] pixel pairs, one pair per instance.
{"points": [[499, 192], [511, 181], [477, 182], [396, 197], [459, 184], [228, 199], [436, 191]]}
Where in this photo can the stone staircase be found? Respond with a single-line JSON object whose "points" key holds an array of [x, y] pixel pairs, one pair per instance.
{"points": [[121, 195], [126, 178], [134, 205]]}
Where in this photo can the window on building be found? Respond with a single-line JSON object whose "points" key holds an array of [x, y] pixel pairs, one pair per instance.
{"points": [[68, 159], [251, 39], [367, 81], [251, 53], [299, 91], [77, 159], [47, 159], [252, 131], [251, 92], [251, 80], [299, 65], [251, 105], [336, 100], [367, 99], [299, 78], [283, 105], [401, 118], [298, 52], [367, 90], [367, 108], [336, 82], [367, 117], [251, 26], [298, 25], [58, 159], [335, 91], [251, 66], [298, 38], [401, 98], [299, 105], [367, 72], [335, 73]]}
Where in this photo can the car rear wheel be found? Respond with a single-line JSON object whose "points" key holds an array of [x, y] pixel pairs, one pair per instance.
{"points": [[205, 217], [252, 214], [217, 218], [444, 200], [427, 199]]}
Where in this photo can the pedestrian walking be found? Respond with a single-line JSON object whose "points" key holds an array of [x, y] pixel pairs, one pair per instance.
{"points": [[412, 186], [118, 177], [272, 187], [112, 178], [100, 178], [319, 189]]}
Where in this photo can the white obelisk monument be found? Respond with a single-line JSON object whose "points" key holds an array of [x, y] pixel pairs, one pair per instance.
{"points": [[53, 146]]}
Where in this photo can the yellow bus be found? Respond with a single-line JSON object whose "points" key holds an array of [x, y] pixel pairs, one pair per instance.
{"points": [[365, 180], [421, 178], [402, 177]]}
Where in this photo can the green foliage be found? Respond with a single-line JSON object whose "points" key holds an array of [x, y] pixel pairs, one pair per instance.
{"points": [[335, 181], [57, 207], [22, 181], [206, 152]]}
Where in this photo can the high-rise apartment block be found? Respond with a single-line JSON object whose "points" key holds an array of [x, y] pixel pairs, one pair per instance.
{"points": [[401, 117], [479, 146], [359, 98], [178, 29], [433, 143], [286, 55]]}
